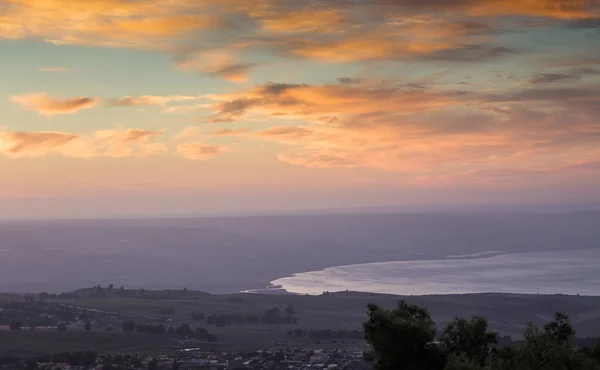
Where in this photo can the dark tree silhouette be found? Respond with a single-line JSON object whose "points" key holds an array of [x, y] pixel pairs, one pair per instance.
{"points": [[401, 338], [128, 326], [469, 339]]}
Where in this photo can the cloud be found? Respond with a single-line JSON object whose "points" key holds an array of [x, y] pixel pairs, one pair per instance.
{"points": [[54, 69], [219, 64], [121, 23], [560, 9], [230, 132], [348, 81], [471, 53], [387, 39], [318, 160], [102, 143], [33, 144], [566, 76], [330, 30], [543, 93], [321, 20], [44, 104], [129, 101], [418, 131], [190, 146], [199, 151], [302, 100], [593, 23]]}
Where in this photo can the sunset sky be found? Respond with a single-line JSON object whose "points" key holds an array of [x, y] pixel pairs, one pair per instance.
{"points": [[164, 107]]}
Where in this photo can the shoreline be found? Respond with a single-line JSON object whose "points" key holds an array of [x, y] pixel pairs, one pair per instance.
{"points": [[484, 272]]}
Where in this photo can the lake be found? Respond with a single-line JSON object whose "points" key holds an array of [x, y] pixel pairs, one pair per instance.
{"points": [[559, 272]]}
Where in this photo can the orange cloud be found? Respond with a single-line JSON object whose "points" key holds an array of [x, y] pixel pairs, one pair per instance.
{"points": [[304, 20], [103, 143], [147, 23], [325, 102], [199, 151], [190, 147], [317, 160], [44, 104], [33, 144], [333, 31], [417, 131], [230, 132], [561, 9]]}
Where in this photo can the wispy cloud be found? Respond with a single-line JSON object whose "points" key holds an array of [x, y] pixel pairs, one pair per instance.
{"points": [[216, 63], [330, 30], [562, 76], [230, 132], [417, 131], [55, 69], [102, 143], [199, 151], [44, 104], [129, 101]]}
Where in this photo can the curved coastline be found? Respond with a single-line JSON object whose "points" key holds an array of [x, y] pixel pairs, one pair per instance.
{"points": [[556, 272]]}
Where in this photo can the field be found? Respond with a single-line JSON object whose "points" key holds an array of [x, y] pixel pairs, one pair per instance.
{"points": [[508, 314]]}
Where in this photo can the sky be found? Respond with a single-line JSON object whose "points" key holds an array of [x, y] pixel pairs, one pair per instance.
{"points": [[166, 107]]}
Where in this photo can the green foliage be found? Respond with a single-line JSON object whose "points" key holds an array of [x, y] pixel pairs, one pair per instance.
{"points": [[469, 339], [401, 338], [404, 338], [461, 362]]}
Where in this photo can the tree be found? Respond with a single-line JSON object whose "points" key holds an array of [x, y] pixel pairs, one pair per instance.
{"points": [[110, 287], [128, 326], [468, 339], [401, 338], [184, 330], [15, 325], [560, 328], [503, 358], [461, 362], [201, 333], [550, 348], [87, 326], [61, 327]]}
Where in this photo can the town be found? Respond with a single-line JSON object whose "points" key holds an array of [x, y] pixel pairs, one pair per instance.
{"points": [[192, 358]]}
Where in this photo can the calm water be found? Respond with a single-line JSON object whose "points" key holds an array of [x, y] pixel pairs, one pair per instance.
{"points": [[565, 272]]}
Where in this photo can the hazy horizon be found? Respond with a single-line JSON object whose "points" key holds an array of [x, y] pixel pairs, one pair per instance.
{"points": [[322, 211]]}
